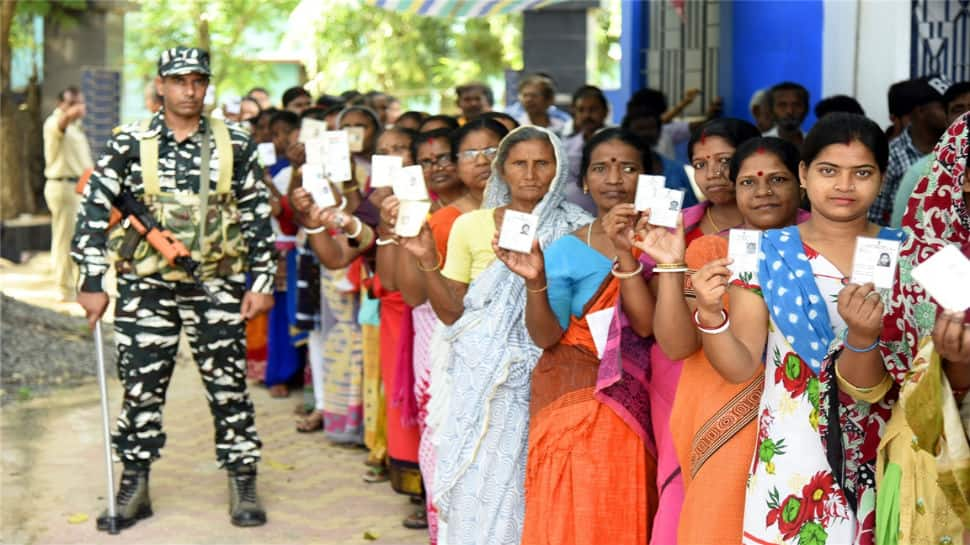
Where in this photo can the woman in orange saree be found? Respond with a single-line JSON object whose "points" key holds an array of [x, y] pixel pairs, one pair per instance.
{"points": [[589, 475]]}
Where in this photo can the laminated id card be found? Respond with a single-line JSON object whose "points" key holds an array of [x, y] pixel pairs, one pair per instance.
{"points": [[316, 183], [384, 169], [337, 156], [875, 261], [315, 149], [942, 276], [665, 207], [744, 247], [518, 231], [409, 184], [647, 189], [410, 217], [355, 138], [311, 129], [267, 154]]}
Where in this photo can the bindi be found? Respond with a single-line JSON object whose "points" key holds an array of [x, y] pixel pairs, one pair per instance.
{"points": [[761, 173]]}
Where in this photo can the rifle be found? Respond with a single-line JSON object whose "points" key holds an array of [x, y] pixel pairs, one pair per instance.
{"points": [[136, 215]]}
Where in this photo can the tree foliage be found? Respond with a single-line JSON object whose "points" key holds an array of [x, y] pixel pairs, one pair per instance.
{"points": [[234, 32], [21, 159], [419, 59]]}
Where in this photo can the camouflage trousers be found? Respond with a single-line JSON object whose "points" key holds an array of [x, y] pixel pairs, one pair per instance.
{"points": [[149, 315]]}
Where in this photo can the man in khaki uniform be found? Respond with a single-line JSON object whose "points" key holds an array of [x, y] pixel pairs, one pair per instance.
{"points": [[67, 155]]}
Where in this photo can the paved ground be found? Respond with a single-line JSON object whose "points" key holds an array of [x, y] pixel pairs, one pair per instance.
{"points": [[52, 482]]}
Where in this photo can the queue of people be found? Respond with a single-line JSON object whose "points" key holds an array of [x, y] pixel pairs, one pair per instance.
{"points": [[617, 380]]}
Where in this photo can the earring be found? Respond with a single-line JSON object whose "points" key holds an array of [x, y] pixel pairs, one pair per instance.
{"points": [[585, 189]]}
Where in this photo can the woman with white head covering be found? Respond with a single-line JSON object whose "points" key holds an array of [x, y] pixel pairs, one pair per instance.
{"points": [[480, 472]]}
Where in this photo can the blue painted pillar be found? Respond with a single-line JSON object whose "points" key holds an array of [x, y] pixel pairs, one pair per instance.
{"points": [[767, 42]]}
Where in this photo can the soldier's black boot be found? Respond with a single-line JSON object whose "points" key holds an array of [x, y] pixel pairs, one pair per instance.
{"points": [[131, 503], [244, 506]]}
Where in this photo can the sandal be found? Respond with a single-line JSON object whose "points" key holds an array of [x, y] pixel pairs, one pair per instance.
{"points": [[417, 520], [375, 475], [312, 422]]}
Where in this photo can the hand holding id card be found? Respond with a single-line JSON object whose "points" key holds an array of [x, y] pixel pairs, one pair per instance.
{"points": [[875, 261], [410, 217], [518, 231], [744, 247], [312, 129], [337, 156], [409, 184], [942, 275], [316, 183], [267, 154], [384, 169]]}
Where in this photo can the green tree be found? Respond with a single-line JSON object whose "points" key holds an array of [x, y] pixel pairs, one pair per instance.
{"points": [[234, 32], [20, 158], [419, 59]]}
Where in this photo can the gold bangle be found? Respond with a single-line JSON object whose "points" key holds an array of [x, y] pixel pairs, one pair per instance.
{"points": [[663, 266], [540, 290], [432, 269]]}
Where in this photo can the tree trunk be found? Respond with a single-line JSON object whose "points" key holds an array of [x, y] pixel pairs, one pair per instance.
{"points": [[12, 191]]}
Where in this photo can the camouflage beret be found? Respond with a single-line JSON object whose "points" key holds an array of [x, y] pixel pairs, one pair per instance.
{"points": [[181, 60]]}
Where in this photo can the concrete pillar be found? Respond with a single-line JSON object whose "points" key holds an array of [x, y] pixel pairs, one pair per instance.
{"points": [[95, 39], [554, 41]]}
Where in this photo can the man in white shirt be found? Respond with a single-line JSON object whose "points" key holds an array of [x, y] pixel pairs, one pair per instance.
{"points": [[788, 102], [66, 155]]}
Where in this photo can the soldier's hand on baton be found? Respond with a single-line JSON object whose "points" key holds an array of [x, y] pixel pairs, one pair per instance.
{"points": [[94, 304]]}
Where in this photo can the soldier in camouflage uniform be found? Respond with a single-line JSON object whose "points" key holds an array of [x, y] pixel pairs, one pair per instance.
{"points": [[161, 163]]}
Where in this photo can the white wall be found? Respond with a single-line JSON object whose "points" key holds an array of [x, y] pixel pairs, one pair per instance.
{"points": [[866, 47]]}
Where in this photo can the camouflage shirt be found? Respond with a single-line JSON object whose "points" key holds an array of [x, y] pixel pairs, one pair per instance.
{"points": [[178, 171]]}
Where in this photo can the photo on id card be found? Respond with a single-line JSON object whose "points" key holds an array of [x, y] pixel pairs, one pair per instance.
{"points": [[383, 170], [744, 247], [942, 276], [518, 231], [410, 217], [875, 261]]}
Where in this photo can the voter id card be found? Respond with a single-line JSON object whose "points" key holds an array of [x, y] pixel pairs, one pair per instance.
{"points": [[316, 183], [875, 261], [942, 276], [518, 231], [410, 217]]}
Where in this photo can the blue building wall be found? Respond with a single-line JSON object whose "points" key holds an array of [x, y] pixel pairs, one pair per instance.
{"points": [[763, 42], [772, 41]]}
